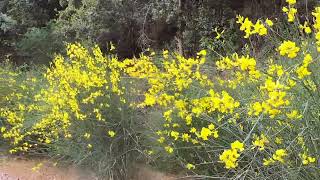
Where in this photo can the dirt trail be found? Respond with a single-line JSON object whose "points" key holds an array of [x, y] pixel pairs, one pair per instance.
{"points": [[20, 169]]}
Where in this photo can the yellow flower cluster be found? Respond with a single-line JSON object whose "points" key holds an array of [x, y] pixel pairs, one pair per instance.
{"points": [[190, 166], [223, 103], [275, 70], [250, 28], [294, 115], [77, 88], [307, 159], [290, 10], [275, 93], [230, 156], [277, 156], [168, 87], [305, 27], [288, 48], [316, 25], [239, 69], [260, 142], [252, 100], [303, 71]]}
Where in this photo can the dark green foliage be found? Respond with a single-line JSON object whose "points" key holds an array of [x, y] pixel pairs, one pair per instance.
{"points": [[33, 13], [184, 25], [38, 45]]}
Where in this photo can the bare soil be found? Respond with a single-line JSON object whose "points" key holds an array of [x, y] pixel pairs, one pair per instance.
{"points": [[22, 169], [19, 169]]}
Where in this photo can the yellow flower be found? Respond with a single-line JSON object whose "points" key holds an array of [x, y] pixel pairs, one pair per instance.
{"points": [[278, 140], [302, 72], [237, 145], [291, 83], [276, 69], [294, 115], [3, 129], [307, 159], [260, 142], [215, 134], [230, 156], [111, 133], [202, 53], [169, 149], [259, 28], [255, 109], [150, 152], [246, 26], [161, 140], [290, 13], [193, 130], [175, 135], [167, 115], [175, 125], [288, 48], [211, 126], [87, 135], [291, 2], [306, 28], [269, 22], [190, 166], [149, 100], [194, 141], [165, 54], [47, 141], [279, 155], [205, 132], [267, 162], [186, 137], [219, 34], [89, 146]]}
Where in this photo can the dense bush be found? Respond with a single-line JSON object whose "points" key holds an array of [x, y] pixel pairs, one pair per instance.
{"points": [[74, 110], [32, 13], [38, 45]]}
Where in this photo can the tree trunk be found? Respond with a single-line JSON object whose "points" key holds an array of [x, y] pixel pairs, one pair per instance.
{"points": [[179, 36]]}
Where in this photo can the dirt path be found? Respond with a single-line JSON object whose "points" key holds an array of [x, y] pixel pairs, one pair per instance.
{"points": [[21, 169], [18, 169]]}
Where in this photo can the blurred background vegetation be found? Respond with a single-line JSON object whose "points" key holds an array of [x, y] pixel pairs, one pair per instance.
{"points": [[33, 30]]}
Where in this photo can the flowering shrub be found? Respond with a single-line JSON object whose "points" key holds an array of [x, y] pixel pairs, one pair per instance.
{"points": [[259, 118], [261, 108], [258, 111], [74, 109]]}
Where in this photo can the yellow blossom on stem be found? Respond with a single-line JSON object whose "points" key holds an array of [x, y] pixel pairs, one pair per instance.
{"points": [[230, 156], [279, 155], [288, 48], [291, 2], [205, 132], [291, 12], [269, 22], [307, 159], [111, 133], [169, 149], [190, 166], [260, 142]]}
